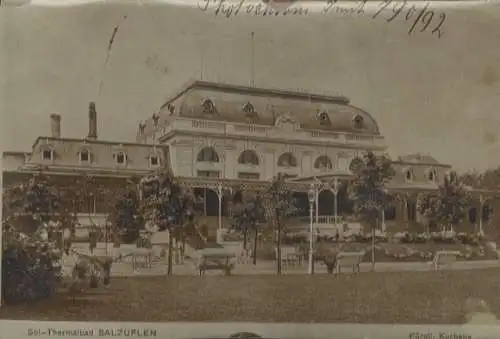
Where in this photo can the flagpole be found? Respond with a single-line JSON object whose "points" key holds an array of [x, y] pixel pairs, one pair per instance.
{"points": [[108, 53], [252, 70]]}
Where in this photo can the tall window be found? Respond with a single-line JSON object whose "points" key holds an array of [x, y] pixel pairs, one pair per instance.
{"points": [[208, 154], [412, 210], [431, 175], [323, 162], [287, 160], [248, 157], [409, 175]]}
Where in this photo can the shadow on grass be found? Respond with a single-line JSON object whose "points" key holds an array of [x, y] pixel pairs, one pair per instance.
{"points": [[379, 297]]}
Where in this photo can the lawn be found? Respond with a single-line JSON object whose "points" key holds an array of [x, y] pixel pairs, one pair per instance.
{"points": [[396, 297]]}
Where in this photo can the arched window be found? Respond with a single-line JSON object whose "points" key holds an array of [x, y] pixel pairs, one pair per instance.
{"points": [[208, 107], [287, 160], [208, 154], [323, 162], [358, 121], [248, 157]]}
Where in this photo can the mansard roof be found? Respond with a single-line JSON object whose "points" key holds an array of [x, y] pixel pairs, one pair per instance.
{"points": [[263, 106]]}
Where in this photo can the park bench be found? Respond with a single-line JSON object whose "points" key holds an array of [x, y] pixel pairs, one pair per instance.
{"points": [[215, 259], [444, 258], [142, 255], [349, 259]]}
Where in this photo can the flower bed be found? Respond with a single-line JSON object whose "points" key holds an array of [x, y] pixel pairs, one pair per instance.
{"points": [[407, 247]]}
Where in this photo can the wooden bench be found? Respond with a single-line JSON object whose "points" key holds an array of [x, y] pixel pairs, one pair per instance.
{"points": [[444, 258], [349, 259], [216, 261]]}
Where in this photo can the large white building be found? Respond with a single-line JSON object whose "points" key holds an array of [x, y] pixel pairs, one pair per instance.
{"points": [[218, 138]]}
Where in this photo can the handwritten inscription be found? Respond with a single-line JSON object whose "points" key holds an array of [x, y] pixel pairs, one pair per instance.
{"points": [[420, 19], [227, 9]]}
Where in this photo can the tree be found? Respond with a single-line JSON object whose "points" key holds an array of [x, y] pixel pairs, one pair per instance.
{"points": [[448, 206], [281, 205], [34, 218], [167, 204], [247, 217], [368, 190], [125, 216]]}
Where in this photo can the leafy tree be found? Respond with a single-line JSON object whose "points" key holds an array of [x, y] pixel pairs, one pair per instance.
{"points": [[368, 190], [247, 217], [281, 204], [125, 216], [448, 206], [167, 204], [34, 218]]}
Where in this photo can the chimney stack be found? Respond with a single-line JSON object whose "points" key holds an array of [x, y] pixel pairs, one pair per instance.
{"points": [[92, 121], [55, 125]]}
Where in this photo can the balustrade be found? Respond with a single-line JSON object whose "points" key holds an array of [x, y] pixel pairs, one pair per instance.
{"points": [[228, 128]]}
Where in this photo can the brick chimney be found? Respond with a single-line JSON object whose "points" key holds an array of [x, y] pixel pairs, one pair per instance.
{"points": [[55, 125], [92, 121]]}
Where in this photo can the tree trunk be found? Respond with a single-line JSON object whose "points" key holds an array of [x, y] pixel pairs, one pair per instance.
{"points": [[278, 242], [373, 246], [256, 236], [245, 239], [170, 251]]}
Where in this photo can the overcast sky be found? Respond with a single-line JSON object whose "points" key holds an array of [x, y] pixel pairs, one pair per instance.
{"points": [[429, 95]]}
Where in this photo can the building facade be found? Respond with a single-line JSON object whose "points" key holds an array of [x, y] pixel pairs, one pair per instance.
{"points": [[220, 138]]}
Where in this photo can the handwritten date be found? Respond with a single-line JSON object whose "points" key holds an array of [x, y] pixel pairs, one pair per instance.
{"points": [[421, 19]]}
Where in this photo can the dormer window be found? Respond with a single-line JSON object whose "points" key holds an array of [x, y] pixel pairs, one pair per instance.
{"points": [[358, 121], [208, 107], [154, 161], [84, 156], [121, 158], [323, 118], [47, 154], [249, 111]]}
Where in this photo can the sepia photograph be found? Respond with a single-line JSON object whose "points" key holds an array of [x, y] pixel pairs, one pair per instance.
{"points": [[260, 162]]}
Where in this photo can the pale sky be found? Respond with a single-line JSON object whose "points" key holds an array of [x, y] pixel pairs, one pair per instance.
{"points": [[435, 96]]}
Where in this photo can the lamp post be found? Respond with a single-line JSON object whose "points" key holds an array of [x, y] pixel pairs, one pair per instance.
{"points": [[311, 195]]}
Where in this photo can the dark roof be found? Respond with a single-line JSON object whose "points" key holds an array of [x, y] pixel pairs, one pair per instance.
{"points": [[419, 159], [93, 141], [312, 111]]}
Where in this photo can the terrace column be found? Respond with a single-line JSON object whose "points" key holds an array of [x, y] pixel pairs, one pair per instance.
{"points": [[335, 191], [383, 220], [219, 197]]}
